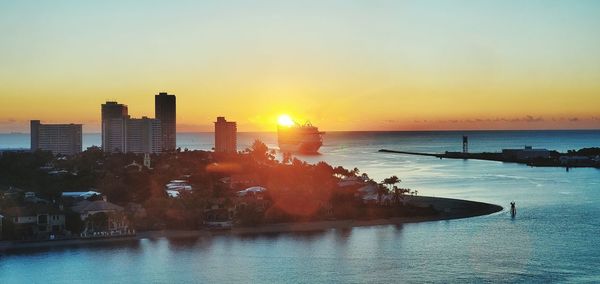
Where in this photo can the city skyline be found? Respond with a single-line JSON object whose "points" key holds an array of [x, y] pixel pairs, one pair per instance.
{"points": [[389, 65]]}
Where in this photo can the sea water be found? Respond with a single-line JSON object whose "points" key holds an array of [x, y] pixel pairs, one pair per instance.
{"points": [[554, 236]]}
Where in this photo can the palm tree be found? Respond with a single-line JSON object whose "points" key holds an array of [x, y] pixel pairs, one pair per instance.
{"points": [[397, 193], [287, 158], [381, 190], [390, 183]]}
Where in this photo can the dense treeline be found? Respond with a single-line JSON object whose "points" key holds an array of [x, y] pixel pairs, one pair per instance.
{"points": [[297, 191]]}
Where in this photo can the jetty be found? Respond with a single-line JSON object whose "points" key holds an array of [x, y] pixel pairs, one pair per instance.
{"points": [[411, 153], [587, 157]]}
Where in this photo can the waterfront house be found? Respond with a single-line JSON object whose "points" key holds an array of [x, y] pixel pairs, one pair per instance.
{"points": [[37, 221], [219, 213], [102, 218], [371, 194], [352, 182]]}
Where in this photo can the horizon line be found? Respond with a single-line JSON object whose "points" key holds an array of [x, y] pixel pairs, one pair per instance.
{"points": [[382, 131]]}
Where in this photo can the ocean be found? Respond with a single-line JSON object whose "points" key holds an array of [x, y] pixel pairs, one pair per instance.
{"points": [[553, 238]]}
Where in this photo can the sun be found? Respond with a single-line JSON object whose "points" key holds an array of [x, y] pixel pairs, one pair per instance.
{"points": [[285, 120]]}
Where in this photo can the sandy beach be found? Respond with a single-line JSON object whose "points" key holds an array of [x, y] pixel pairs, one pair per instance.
{"points": [[449, 208]]}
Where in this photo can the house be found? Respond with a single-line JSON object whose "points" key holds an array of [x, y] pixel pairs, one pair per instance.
{"points": [[30, 197], [252, 196], [39, 221], [134, 167], [241, 180], [254, 191], [370, 194], [12, 193], [175, 187], [102, 218], [79, 195], [352, 181], [219, 213]]}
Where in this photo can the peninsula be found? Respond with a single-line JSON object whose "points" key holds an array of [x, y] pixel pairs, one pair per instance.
{"points": [[95, 196]]}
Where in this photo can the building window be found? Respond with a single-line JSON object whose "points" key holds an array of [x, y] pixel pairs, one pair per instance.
{"points": [[43, 219]]}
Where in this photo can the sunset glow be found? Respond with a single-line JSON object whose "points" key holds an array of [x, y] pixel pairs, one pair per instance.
{"points": [[285, 120], [389, 65]]}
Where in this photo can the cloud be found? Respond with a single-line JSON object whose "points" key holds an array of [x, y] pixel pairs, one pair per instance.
{"points": [[527, 119], [530, 118], [523, 119], [10, 121]]}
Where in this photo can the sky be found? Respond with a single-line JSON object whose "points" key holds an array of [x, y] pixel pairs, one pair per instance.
{"points": [[343, 65]]}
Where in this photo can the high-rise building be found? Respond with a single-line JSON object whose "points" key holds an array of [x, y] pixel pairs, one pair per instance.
{"points": [[114, 127], [225, 136], [143, 135], [62, 139], [164, 110]]}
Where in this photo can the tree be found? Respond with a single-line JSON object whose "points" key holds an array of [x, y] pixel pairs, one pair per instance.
{"points": [[260, 152], [287, 158], [340, 172], [381, 191], [389, 183]]}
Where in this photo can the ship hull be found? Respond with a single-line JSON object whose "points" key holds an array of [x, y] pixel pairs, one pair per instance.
{"points": [[304, 139], [303, 147]]}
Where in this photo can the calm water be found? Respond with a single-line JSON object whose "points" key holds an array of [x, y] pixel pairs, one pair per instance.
{"points": [[554, 237]]}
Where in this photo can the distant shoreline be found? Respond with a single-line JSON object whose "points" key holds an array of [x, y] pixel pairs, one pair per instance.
{"points": [[369, 131], [450, 209]]}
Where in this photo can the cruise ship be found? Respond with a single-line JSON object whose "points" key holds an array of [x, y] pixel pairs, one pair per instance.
{"points": [[297, 138]]}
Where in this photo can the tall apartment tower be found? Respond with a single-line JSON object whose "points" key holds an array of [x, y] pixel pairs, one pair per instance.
{"points": [[143, 136], [114, 127], [164, 110], [62, 139], [225, 136]]}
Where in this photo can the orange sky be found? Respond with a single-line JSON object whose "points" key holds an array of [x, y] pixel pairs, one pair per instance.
{"points": [[400, 65]]}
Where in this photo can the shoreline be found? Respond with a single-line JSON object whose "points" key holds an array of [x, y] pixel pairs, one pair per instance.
{"points": [[450, 209]]}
